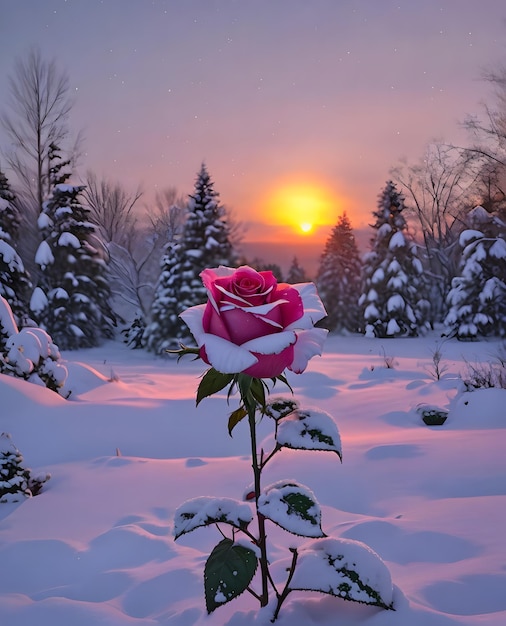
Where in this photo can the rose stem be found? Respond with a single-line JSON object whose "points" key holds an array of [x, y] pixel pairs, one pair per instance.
{"points": [[262, 543]]}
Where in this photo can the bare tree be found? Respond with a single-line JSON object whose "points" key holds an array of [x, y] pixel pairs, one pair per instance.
{"points": [[39, 105], [112, 209], [489, 134], [439, 191], [36, 118]]}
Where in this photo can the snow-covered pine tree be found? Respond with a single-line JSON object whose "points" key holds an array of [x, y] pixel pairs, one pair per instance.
{"points": [[296, 273], [477, 299], [15, 284], [72, 299], [205, 242], [16, 481], [338, 278], [392, 299], [59, 169]]}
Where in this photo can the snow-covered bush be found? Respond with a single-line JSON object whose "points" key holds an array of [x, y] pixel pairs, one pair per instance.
{"points": [[485, 375], [16, 481], [29, 353], [477, 299]]}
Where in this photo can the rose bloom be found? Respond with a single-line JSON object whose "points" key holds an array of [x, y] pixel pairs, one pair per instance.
{"points": [[252, 324]]}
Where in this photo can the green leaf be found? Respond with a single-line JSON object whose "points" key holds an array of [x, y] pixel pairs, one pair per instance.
{"points": [[309, 430], [227, 573], [212, 382], [284, 380], [235, 417], [292, 507], [204, 511], [257, 390], [344, 568]]}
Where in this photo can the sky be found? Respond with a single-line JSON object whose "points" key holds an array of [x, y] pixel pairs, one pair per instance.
{"points": [[298, 108]]}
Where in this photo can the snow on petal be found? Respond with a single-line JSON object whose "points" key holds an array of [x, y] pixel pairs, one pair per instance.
{"points": [[192, 317], [309, 344], [227, 357], [271, 344], [314, 310]]}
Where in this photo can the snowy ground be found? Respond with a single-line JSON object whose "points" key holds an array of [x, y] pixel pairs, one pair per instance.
{"points": [[96, 547]]}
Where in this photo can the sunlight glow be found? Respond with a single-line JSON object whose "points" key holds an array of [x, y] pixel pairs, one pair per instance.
{"points": [[303, 206]]}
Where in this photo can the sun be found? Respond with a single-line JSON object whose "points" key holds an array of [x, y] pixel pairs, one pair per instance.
{"points": [[303, 205]]}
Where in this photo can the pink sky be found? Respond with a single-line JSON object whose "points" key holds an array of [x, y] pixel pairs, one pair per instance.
{"points": [[266, 93]]}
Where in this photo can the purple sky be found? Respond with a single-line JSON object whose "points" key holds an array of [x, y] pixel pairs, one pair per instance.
{"points": [[325, 95]]}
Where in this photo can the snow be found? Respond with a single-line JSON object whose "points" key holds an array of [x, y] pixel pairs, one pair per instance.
{"points": [[130, 447], [38, 301], [498, 249], [466, 236], [44, 256], [69, 239], [397, 241], [9, 255]]}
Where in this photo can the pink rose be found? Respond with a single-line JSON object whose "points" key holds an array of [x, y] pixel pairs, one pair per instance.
{"points": [[252, 324]]}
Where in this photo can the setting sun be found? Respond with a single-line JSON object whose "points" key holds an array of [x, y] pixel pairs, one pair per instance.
{"points": [[303, 206]]}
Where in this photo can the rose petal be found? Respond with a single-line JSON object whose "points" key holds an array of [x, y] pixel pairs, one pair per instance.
{"points": [[309, 344], [192, 317], [314, 310], [271, 365], [242, 326], [226, 357], [261, 309], [271, 344]]}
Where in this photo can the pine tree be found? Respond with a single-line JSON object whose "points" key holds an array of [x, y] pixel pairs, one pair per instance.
{"points": [[205, 242], [16, 482], [15, 285], [338, 278], [296, 273], [72, 299], [477, 299], [392, 299]]}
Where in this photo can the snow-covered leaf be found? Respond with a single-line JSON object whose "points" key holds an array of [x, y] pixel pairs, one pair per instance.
{"points": [[228, 572], [293, 507], [344, 568], [309, 429], [203, 511], [280, 407]]}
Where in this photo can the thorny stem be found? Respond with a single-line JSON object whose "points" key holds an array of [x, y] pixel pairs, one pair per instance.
{"points": [[286, 590], [262, 539]]}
